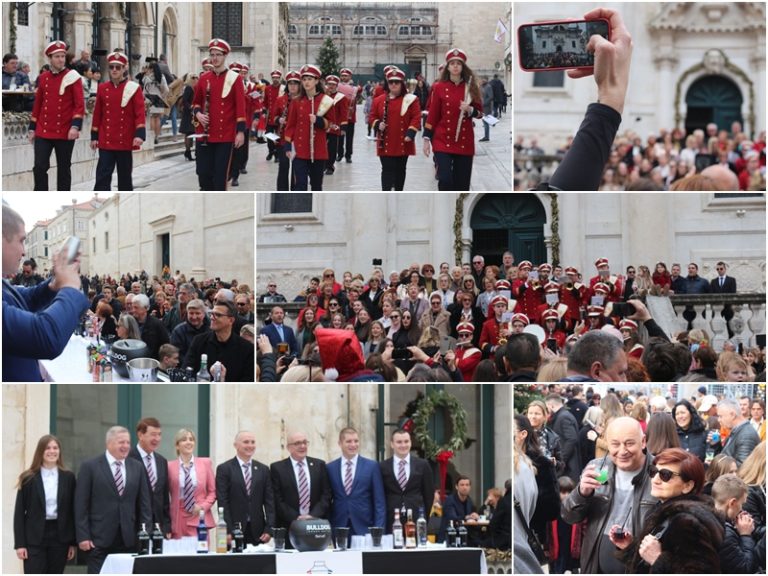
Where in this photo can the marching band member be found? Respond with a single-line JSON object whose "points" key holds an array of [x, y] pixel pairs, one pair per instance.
{"points": [[271, 94], [551, 322], [219, 106], [57, 118], [282, 107], [341, 110], [240, 155], [632, 344], [306, 131], [552, 296], [528, 293], [494, 331], [519, 322], [467, 356], [119, 125], [449, 130], [395, 117], [575, 295], [348, 134], [615, 283]]}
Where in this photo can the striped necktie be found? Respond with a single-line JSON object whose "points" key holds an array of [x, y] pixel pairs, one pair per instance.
{"points": [[151, 472], [303, 491], [189, 490], [348, 478], [402, 479], [119, 483], [247, 477]]}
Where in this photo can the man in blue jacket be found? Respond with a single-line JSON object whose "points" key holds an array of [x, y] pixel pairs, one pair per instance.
{"points": [[37, 321], [358, 490]]}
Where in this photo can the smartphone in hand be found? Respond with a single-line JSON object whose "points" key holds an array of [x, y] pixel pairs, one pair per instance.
{"points": [[559, 45]]}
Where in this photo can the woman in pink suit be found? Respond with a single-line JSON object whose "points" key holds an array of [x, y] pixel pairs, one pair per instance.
{"points": [[201, 494]]}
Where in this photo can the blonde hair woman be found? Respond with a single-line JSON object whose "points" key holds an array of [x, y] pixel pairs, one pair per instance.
{"points": [[192, 486]]}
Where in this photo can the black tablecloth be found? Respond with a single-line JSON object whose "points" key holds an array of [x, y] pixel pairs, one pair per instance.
{"points": [[423, 562], [206, 564]]}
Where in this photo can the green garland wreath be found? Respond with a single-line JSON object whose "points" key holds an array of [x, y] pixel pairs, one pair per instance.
{"points": [[440, 399]]}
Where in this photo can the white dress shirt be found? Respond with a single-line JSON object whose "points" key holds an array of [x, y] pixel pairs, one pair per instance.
{"points": [[111, 461], [143, 455], [344, 468], [50, 478], [396, 466], [183, 476], [295, 464]]}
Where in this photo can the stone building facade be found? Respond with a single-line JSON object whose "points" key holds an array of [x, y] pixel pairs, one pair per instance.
{"points": [[417, 34]]}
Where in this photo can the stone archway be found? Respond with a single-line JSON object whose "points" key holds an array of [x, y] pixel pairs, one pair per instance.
{"points": [[712, 98], [169, 38]]}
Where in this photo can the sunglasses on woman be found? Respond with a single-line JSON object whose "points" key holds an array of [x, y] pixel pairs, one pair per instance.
{"points": [[664, 474]]}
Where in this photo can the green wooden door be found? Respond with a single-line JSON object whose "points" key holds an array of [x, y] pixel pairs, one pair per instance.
{"points": [[713, 99]]}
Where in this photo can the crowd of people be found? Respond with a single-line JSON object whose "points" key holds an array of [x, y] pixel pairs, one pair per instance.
{"points": [[178, 319], [559, 60], [306, 117], [711, 159], [625, 483], [514, 322], [101, 511]]}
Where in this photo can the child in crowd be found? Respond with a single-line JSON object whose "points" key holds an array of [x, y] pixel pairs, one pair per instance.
{"points": [[737, 552], [169, 357], [565, 539]]}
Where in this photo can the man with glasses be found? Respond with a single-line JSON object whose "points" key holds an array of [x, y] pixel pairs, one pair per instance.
{"points": [[300, 484], [724, 284], [243, 305], [279, 333], [222, 344], [629, 283], [478, 269], [119, 125], [614, 492], [271, 296]]}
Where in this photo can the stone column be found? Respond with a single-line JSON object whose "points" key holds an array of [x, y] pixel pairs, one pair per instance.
{"points": [[647, 231], [665, 60], [758, 70], [78, 25], [113, 34], [502, 401], [443, 210]]}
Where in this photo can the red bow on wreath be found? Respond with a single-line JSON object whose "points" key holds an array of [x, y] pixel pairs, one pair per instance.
{"points": [[443, 457]]}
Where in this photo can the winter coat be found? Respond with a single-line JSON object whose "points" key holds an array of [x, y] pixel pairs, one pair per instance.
{"points": [[564, 424], [597, 507], [737, 552], [689, 545]]}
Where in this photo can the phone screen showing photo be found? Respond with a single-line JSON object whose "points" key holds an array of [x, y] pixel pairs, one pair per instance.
{"points": [[558, 45]]}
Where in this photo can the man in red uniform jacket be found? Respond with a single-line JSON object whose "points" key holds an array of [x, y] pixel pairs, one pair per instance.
{"points": [[493, 328], [348, 134], [271, 94], [615, 283], [335, 130], [396, 117], [119, 125], [219, 105], [57, 118], [575, 295], [528, 293]]}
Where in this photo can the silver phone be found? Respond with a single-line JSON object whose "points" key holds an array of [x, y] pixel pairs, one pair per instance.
{"points": [[72, 246]]}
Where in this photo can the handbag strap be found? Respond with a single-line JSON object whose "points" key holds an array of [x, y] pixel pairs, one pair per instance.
{"points": [[519, 512]]}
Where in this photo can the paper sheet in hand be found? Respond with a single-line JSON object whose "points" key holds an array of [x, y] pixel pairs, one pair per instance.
{"points": [[272, 136], [491, 120]]}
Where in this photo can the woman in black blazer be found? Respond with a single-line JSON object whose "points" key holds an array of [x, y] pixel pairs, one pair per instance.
{"points": [[44, 520]]}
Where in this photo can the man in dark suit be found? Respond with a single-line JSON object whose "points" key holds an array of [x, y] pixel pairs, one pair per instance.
{"points": [[300, 484], [111, 499], [278, 332], [407, 479], [244, 490], [358, 490], [153, 333], [458, 506], [150, 435], [724, 284]]}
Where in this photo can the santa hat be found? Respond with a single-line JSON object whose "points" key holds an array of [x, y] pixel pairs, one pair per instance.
{"points": [[340, 349]]}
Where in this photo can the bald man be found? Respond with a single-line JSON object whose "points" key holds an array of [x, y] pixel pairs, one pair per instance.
{"points": [[622, 500], [724, 178]]}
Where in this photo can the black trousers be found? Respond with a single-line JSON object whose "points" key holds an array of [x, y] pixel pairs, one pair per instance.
{"points": [[393, 172], [213, 162], [333, 146], [97, 555], [346, 139], [239, 160], [454, 171], [107, 161], [304, 170], [51, 556], [271, 143], [285, 177], [43, 149]]}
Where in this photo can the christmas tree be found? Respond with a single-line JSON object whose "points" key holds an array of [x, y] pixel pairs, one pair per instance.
{"points": [[328, 58]]}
